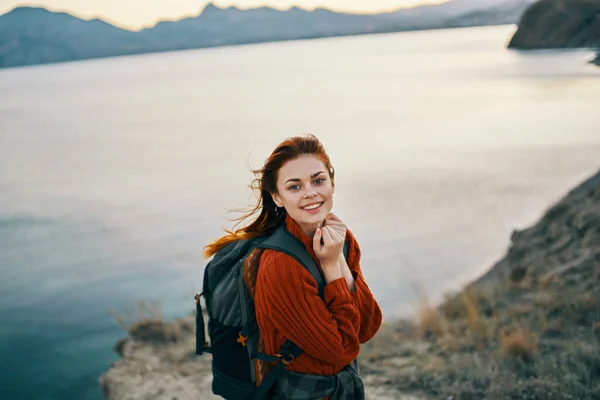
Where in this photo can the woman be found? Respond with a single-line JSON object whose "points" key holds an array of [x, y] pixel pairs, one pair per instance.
{"points": [[296, 188]]}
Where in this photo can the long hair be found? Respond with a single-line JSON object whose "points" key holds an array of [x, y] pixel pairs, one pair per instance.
{"points": [[264, 184]]}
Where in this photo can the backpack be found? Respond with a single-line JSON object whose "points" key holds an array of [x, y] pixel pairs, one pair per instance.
{"points": [[232, 325]]}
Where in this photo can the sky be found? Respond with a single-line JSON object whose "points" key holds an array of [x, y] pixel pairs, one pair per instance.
{"points": [[136, 14]]}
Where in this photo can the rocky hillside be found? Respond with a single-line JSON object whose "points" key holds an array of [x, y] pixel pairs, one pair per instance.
{"points": [[550, 24], [528, 329]]}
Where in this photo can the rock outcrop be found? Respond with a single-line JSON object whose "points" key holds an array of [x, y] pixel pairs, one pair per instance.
{"points": [[554, 24], [567, 236], [158, 362]]}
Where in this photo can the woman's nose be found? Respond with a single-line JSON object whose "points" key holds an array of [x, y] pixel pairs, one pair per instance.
{"points": [[310, 193]]}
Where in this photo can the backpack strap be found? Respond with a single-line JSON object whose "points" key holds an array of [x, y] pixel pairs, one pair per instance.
{"points": [[289, 351], [282, 240], [202, 346]]}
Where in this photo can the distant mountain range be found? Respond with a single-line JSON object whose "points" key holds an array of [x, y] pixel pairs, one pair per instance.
{"points": [[30, 35]]}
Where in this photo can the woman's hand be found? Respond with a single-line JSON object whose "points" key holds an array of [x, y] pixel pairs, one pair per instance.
{"points": [[328, 252], [336, 223], [340, 229]]}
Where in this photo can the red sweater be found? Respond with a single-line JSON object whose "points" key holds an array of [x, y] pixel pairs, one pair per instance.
{"points": [[288, 306]]}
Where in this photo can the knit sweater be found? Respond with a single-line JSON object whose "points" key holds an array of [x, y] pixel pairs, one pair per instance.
{"points": [[288, 306]]}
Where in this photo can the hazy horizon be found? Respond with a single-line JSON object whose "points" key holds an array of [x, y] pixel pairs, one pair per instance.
{"points": [[139, 14]]}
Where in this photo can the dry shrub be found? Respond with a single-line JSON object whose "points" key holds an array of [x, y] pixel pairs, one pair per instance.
{"points": [[452, 343], [545, 299], [520, 309], [483, 331], [518, 342], [460, 306], [546, 281], [556, 325], [429, 320], [145, 311], [469, 298], [435, 364]]}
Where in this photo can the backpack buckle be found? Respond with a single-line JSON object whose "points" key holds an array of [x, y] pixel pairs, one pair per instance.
{"points": [[287, 359], [242, 339]]}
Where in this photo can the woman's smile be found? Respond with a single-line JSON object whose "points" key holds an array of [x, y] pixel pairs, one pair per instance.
{"points": [[313, 208]]}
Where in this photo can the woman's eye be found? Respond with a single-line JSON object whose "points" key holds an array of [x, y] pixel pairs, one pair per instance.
{"points": [[319, 181], [295, 187]]}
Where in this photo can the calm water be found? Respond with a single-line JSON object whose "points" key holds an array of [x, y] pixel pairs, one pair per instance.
{"points": [[114, 173]]}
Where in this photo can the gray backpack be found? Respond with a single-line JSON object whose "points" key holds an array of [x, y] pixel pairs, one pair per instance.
{"points": [[232, 325]]}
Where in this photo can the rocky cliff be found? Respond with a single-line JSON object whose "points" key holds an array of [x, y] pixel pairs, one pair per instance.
{"points": [[158, 362], [552, 24]]}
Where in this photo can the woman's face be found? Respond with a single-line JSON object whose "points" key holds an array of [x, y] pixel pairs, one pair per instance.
{"points": [[305, 190]]}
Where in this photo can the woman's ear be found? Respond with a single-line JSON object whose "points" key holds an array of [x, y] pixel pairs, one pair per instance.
{"points": [[276, 200]]}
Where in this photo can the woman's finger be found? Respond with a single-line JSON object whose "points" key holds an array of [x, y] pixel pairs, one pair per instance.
{"points": [[327, 239], [336, 224], [335, 232], [332, 222], [337, 237], [338, 227], [317, 239]]}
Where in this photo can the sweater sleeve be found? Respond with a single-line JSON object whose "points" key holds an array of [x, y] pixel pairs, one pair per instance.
{"points": [[363, 299], [324, 328]]}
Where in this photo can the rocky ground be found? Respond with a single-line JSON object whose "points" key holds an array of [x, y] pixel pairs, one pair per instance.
{"points": [[528, 329]]}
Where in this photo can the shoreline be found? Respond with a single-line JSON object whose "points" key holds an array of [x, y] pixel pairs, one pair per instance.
{"points": [[268, 41]]}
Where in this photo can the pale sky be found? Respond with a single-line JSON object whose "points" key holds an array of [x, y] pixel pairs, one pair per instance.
{"points": [[135, 14]]}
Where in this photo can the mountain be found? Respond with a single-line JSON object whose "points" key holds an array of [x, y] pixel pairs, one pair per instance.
{"points": [[503, 14], [216, 26], [549, 24], [31, 35], [35, 35]]}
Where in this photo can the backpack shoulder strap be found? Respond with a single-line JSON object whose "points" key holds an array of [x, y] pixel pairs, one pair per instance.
{"points": [[282, 240]]}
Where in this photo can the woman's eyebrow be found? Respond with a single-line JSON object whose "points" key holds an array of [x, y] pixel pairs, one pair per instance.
{"points": [[312, 176]]}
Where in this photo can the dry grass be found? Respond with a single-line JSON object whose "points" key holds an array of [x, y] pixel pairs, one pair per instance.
{"points": [[521, 309], [519, 342], [469, 298], [430, 321], [144, 311], [546, 281]]}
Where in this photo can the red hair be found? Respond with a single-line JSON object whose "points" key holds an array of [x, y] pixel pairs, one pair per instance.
{"points": [[266, 183]]}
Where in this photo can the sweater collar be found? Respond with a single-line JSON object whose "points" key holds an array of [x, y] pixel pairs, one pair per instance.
{"points": [[294, 229]]}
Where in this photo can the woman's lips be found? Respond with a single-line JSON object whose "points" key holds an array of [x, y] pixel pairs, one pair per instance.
{"points": [[314, 210]]}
